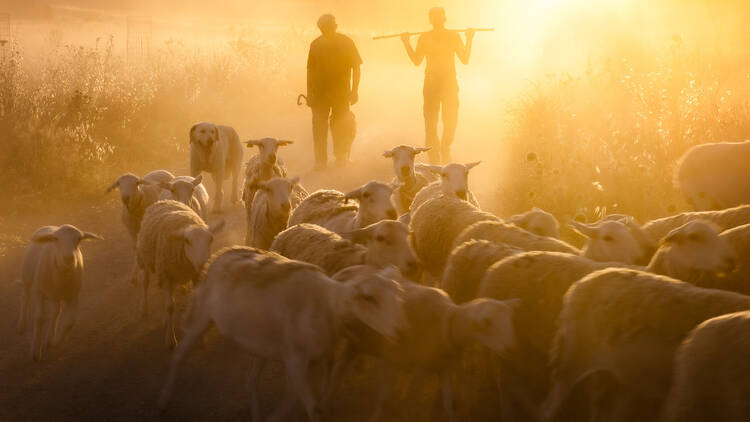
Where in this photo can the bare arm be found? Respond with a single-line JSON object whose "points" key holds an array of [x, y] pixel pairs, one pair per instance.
{"points": [[415, 56], [355, 84], [464, 52]]}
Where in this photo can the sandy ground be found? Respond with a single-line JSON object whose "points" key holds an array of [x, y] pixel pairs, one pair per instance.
{"points": [[112, 365]]}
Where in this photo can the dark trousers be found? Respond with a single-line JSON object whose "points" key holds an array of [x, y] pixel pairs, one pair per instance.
{"points": [[437, 96], [321, 114]]}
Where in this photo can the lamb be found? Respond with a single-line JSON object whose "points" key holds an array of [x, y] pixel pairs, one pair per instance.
{"points": [[380, 244], [714, 176], [51, 274], [467, 265], [330, 208], [173, 245], [510, 234], [437, 333], [629, 324], [739, 279], [272, 204], [724, 219], [216, 150], [435, 226], [621, 240], [540, 279], [189, 191], [538, 222], [263, 166], [411, 178], [241, 292], [454, 183], [711, 379]]}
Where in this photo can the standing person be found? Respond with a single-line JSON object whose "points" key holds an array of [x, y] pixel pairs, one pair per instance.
{"points": [[332, 85], [440, 46]]}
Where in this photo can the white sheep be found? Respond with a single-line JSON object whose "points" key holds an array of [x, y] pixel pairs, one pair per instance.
{"points": [[454, 183], [622, 240], [173, 244], [410, 178], [714, 176], [380, 244], [274, 201], [510, 234], [51, 274], [711, 380], [540, 279], [216, 150], [628, 324], [437, 333], [467, 265], [435, 226], [242, 293], [537, 221], [262, 166], [739, 279], [724, 219], [189, 191], [330, 208]]}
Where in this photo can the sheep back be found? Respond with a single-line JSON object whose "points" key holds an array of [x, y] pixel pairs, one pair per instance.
{"points": [[467, 265], [714, 176], [321, 206], [725, 219], [316, 245], [500, 232]]}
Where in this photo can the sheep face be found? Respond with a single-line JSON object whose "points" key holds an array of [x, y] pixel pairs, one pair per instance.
{"points": [[538, 222], [375, 202], [181, 190], [196, 242], [66, 238], [129, 186], [491, 323], [268, 148], [610, 241], [278, 194], [454, 179], [387, 244], [403, 160], [205, 135], [376, 299], [697, 246]]}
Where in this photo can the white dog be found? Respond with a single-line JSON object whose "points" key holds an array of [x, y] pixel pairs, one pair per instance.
{"points": [[216, 150]]}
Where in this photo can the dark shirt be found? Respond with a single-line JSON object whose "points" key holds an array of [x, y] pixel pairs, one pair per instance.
{"points": [[329, 65], [439, 47]]}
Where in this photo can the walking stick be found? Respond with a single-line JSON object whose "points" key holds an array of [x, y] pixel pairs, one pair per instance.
{"points": [[382, 37]]}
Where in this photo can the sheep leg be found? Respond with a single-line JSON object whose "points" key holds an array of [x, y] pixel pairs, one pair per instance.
{"points": [[144, 305], [343, 361], [198, 324], [235, 184], [562, 384], [385, 391], [66, 320], [52, 327], [446, 390], [170, 339], [35, 351], [24, 313], [299, 374], [256, 367]]}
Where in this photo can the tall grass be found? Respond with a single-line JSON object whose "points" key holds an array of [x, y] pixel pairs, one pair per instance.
{"points": [[608, 140], [74, 119]]}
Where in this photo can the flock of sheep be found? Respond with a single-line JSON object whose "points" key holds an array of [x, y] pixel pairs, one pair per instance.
{"points": [[643, 321]]}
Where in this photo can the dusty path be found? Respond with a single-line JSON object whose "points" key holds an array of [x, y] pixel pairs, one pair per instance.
{"points": [[112, 365]]}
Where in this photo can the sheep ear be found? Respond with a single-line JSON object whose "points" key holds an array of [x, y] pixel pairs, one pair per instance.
{"points": [[198, 179], [114, 185], [355, 194], [165, 185], [252, 142], [217, 226], [91, 236], [434, 169], [471, 165], [294, 180], [192, 129], [420, 150], [584, 229], [49, 237], [361, 236], [388, 154], [285, 142], [675, 236]]}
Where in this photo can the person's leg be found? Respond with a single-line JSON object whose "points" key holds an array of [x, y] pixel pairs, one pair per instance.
{"points": [[431, 112], [450, 121], [320, 114], [342, 131]]}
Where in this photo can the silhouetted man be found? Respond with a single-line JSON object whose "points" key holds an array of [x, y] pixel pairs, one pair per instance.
{"points": [[440, 46], [332, 85]]}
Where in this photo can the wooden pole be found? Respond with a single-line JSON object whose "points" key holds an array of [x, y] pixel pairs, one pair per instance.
{"points": [[382, 37]]}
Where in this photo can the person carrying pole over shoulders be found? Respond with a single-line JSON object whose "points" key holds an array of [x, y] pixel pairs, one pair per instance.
{"points": [[439, 46]]}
